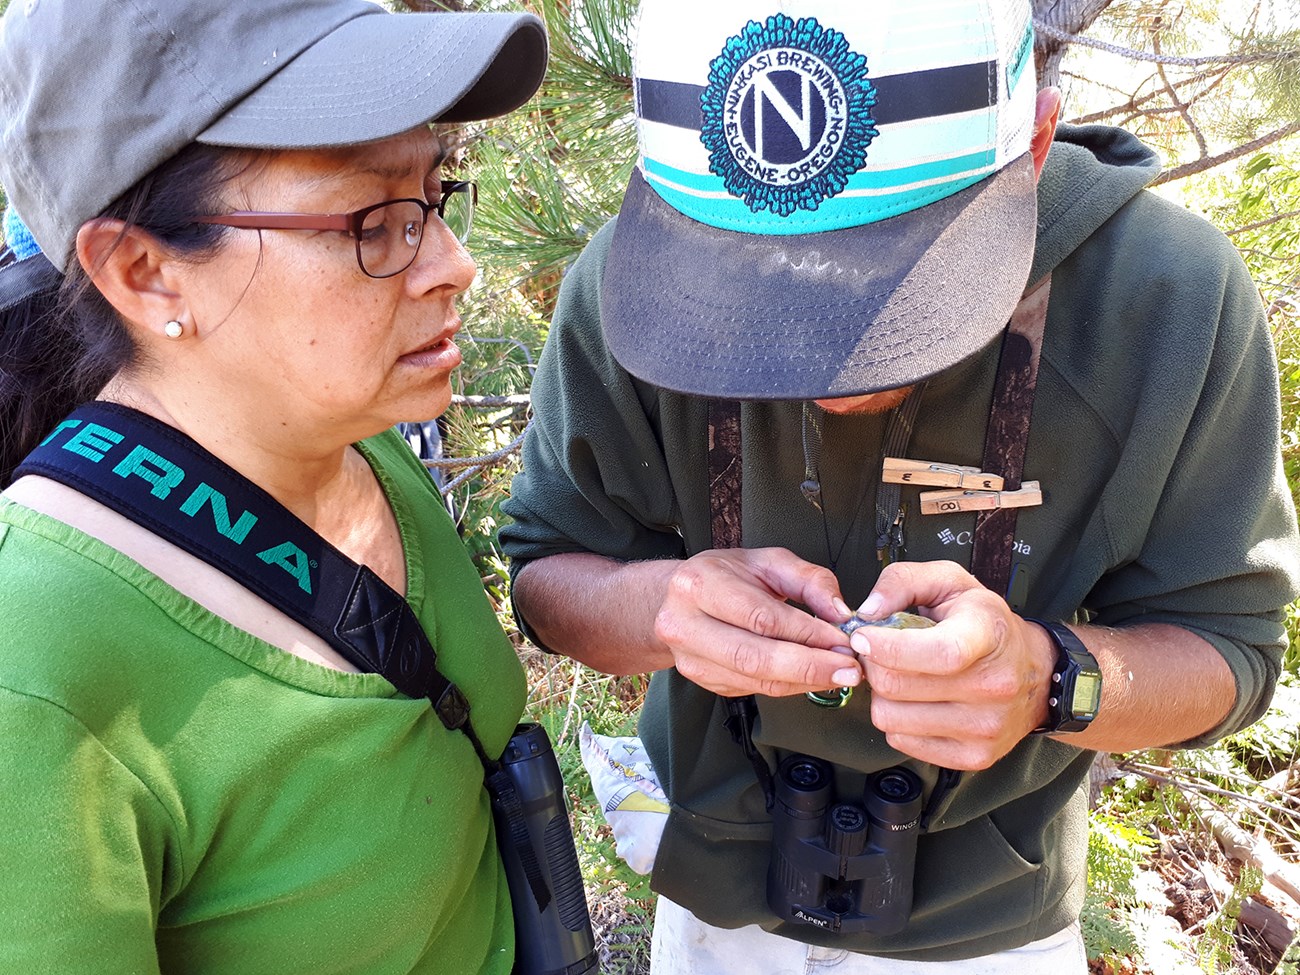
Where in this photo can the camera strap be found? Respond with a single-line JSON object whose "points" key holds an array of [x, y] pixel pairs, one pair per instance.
{"points": [[164, 481], [725, 491], [1007, 434], [1006, 437]]}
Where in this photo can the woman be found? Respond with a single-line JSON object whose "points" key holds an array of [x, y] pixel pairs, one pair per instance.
{"points": [[193, 781]]}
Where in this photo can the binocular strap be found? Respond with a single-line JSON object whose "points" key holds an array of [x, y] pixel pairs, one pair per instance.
{"points": [[135, 465]]}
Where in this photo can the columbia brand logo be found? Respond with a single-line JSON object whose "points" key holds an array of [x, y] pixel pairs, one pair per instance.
{"points": [[950, 537]]}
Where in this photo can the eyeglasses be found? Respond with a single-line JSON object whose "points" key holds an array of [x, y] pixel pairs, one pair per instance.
{"points": [[387, 235]]}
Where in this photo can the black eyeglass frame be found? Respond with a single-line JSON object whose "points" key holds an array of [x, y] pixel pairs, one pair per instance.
{"points": [[352, 223]]}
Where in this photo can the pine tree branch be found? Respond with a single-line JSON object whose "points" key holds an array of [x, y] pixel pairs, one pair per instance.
{"points": [[1062, 37], [1267, 221], [1223, 76], [492, 402], [1136, 101], [1181, 106], [1167, 776], [1094, 116], [1209, 162]]}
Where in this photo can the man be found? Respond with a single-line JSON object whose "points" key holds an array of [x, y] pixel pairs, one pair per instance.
{"points": [[834, 216]]}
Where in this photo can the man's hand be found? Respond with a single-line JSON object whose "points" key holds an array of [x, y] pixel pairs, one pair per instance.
{"points": [[962, 693], [728, 624], [959, 694], [723, 618]]}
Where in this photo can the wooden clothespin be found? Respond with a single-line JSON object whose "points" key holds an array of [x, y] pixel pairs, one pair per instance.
{"points": [[947, 502], [901, 470]]}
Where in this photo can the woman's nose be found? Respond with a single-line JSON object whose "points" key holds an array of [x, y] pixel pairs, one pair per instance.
{"points": [[442, 261]]}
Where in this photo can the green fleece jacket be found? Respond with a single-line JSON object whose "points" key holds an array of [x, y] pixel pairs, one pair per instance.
{"points": [[1155, 440], [178, 796]]}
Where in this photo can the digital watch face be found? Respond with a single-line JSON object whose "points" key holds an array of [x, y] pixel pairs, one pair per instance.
{"points": [[1087, 694]]}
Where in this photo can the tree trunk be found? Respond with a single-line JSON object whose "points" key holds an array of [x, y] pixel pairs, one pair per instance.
{"points": [[1069, 16]]}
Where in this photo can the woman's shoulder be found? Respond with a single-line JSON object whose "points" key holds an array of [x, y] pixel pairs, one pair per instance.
{"points": [[50, 571], [66, 602], [82, 621]]}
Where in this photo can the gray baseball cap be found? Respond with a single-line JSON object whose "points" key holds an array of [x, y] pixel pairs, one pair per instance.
{"points": [[94, 94]]}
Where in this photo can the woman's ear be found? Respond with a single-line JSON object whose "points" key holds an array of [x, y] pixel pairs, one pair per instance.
{"points": [[132, 270]]}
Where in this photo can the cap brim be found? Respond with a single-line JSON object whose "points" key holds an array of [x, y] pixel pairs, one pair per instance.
{"points": [[380, 74], [710, 312]]}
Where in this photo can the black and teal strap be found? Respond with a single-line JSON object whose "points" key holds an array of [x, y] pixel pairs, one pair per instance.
{"points": [[161, 479], [165, 481]]}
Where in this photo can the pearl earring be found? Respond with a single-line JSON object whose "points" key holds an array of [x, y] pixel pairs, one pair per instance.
{"points": [[173, 329]]}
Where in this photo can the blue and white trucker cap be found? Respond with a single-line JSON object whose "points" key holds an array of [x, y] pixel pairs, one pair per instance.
{"points": [[831, 197]]}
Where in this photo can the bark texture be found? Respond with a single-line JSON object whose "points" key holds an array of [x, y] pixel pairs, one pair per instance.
{"points": [[1070, 16]]}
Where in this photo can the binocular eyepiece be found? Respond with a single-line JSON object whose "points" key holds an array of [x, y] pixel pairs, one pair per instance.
{"points": [[843, 866]]}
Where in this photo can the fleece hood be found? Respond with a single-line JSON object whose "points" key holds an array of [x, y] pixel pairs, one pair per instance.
{"points": [[1091, 171]]}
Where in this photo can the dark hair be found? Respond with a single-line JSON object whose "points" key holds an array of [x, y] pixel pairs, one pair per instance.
{"points": [[60, 346]]}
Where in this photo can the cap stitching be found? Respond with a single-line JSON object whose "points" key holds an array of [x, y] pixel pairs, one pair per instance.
{"points": [[394, 59], [886, 353], [654, 301], [715, 363], [407, 52], [182, 54], [770, 311]]}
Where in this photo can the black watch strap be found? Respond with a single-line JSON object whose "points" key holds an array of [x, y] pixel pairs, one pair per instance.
{"points": [[1075, 692]]}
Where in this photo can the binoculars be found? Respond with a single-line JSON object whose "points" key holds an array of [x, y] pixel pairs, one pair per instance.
{"points": [[554, 938], [845, 867]]}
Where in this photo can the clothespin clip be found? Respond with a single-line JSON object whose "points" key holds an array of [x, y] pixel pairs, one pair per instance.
{"points": [[948, 502], [901, 470]]}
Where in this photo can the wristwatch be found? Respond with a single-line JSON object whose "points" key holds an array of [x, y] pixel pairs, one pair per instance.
{"points": [[1075, 692]]}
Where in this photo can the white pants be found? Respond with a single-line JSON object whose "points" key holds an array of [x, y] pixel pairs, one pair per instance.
{"points": [[685, 945]]}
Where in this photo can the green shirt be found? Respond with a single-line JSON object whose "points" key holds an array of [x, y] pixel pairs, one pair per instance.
{"points": [[178, 796], [1155, 441]]}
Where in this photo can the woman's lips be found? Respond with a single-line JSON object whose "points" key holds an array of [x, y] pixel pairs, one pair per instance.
{"points": [[443, 353]]}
